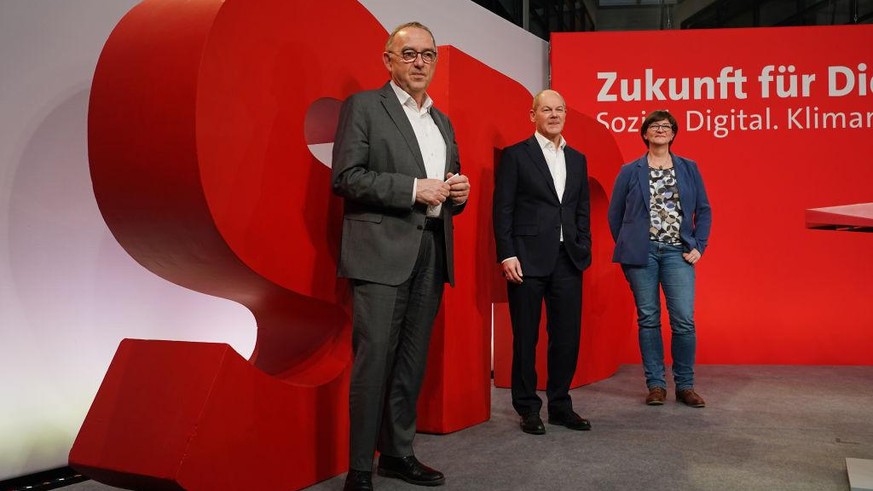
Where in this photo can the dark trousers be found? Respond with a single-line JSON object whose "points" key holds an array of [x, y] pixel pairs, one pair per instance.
{"points": [[562, 292], [391, 329]]}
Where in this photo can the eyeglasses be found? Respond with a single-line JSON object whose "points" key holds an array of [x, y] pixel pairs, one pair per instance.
{"points": [[409, 55], [661, 127]]}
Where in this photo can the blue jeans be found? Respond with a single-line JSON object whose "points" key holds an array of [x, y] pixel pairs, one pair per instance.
{"points": [[666, 268]]}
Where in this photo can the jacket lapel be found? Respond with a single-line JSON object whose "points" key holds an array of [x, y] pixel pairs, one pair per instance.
{"points": [[398, 116], [536, 156], [684, 182], [643, 181], [439, 120], [574, 173]]}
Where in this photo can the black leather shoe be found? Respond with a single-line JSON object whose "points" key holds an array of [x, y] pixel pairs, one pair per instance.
{"points": [[410, 470], [358, 481], [570, 420], [531, 423]]}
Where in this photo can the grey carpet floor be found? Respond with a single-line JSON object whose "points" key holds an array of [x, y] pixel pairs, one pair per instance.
{"points": [[764, 428]]}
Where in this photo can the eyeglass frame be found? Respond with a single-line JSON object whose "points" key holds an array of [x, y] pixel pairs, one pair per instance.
{"points": [[417, 54], [658, 127]]}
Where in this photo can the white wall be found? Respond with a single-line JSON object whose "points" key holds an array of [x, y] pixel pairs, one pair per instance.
{"points": [[487, 37], [68, 292]]}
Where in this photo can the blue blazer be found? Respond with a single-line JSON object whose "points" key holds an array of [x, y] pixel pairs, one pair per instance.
{"points": [[630, 205]]}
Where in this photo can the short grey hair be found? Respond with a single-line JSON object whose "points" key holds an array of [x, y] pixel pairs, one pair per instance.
{"points": [[407, 25]]}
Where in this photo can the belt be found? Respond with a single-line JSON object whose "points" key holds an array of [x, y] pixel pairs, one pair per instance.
{"points": [[433, 224]]}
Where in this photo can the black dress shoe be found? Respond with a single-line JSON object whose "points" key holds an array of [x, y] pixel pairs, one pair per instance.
{"points": [[358, 481], [570, 420], [531, 423], [410, 470]]}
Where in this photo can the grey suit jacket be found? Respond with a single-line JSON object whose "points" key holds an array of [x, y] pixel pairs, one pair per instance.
{"points": [[376, 159]]}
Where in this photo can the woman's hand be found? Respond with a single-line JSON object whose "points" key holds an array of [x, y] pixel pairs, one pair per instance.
{"points": [[692, 256]]}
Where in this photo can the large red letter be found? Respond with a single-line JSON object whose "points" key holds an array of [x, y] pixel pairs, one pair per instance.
{"points": [[201, 116]]}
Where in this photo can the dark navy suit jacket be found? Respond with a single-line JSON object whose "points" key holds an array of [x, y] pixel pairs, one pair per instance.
{"points": [[630, 204], [528, 216]]}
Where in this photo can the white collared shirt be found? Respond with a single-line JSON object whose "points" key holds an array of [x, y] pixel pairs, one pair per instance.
{"points": [[555, 160], [430, 140], [557, 165]]}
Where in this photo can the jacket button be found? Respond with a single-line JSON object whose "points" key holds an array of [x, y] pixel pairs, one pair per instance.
{"points": [[420, 227]]}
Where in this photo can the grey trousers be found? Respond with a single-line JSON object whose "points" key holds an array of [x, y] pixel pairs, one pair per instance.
{"points": [[391, 329]]}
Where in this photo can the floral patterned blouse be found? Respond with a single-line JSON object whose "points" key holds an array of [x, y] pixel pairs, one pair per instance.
{"points": [[665, 216]]}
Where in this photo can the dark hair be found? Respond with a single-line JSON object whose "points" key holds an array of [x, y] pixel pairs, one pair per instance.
{"points": [[657, 116]]}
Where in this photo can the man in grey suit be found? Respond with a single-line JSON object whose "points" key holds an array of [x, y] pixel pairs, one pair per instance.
{"points": [[395, 163]]}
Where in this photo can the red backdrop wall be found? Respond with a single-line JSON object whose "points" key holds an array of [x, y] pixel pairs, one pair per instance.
{"points": [[202, 120], [769, 290], [206, 119]]}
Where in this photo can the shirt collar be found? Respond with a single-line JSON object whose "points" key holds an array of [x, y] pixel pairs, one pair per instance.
{"points": [[546, 143], [407, 100]]}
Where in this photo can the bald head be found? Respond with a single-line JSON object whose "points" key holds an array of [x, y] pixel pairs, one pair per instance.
{"points": [[537, 100]]}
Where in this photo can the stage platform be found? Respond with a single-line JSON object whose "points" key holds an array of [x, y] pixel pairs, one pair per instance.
{"points": [[764, 428]]}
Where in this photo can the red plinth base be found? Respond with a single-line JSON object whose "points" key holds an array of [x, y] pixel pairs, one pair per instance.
{"points": [[197, 416]]}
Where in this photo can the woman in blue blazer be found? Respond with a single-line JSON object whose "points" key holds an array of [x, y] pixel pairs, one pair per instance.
{"points": [[660, 219]]}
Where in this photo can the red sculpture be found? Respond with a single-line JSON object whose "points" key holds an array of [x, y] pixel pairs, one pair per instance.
{"points": [[201, 118]]}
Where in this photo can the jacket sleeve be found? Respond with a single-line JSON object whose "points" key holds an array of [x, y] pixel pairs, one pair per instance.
{"points": [[615, 214], [583, 211], [702, 212], [455, 168], [503, 210]]}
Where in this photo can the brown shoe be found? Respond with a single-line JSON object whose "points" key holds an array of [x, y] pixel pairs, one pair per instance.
{"points": [[689, 398], [657, 396]]}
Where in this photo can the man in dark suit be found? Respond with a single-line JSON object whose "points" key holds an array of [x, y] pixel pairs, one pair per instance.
{"points": [[395, 162], [543, 235]]}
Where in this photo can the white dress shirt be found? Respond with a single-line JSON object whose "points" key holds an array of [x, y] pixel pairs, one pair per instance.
{"points": [[557, 165], [430, 140]]}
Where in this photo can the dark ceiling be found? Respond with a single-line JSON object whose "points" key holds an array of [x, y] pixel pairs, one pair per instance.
{"points": [[542, 17]]}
